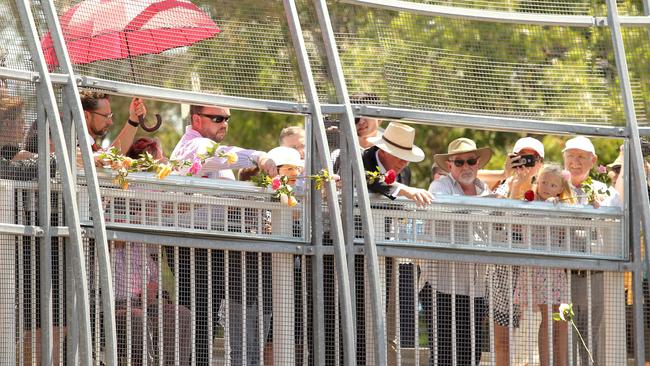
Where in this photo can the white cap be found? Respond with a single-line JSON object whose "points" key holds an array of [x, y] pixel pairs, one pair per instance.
{"points": [[579, 143], [529, 143], [282, 155]]}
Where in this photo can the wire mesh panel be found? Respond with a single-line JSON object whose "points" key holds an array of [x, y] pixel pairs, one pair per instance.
{"points": [[451, 65], [193, 206], [571, 7], [13, 52], [452, 313], [504, 225], [223, 47], [178, 305]]}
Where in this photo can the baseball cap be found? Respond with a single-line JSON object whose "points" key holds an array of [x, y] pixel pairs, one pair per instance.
{"points": [[529, 143], [579, 143], [285, 155]]}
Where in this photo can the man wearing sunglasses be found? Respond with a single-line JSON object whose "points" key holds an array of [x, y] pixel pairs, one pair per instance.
{"points": [[207, 126], [99, 119], [467, 280]]}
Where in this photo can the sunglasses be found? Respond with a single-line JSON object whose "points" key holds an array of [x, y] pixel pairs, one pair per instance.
{"points": [[459, 162], [107, 116], [216, 118], [616, 169]]}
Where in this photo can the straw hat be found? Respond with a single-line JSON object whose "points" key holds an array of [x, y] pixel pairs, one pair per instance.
{"points": [[282, 155], [398, 140], [461, 146]]}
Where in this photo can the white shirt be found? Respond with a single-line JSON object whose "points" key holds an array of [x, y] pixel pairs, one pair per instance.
{"points": [[459, 278], [193, 143], [613, 199]]}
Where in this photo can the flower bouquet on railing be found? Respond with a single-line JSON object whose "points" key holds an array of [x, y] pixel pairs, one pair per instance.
{"points": [[283, 190], [377, 176], [123, 165]]}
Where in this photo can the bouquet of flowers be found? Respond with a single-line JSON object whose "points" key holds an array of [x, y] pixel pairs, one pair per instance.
{"points": [[284, 191], [123, 165]]}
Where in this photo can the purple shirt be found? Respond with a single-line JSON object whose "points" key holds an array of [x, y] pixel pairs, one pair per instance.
{"points": [[193, 143], [131, 267]]}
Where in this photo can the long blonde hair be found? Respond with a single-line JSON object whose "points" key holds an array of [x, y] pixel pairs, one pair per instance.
{"points": [[567, 193]]}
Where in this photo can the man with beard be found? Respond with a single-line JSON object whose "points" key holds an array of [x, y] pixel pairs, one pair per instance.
{"points": [[465, 280], [207, 126], [99, 119]]}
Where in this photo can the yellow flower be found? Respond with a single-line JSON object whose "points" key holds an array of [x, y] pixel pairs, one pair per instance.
{"points": [[291, 201], [127, 162], [231, 157], [125, 185], [163, 171]]}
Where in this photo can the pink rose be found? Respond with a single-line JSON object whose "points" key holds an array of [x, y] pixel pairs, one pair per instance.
{"points": [[276, 183], [195, 168], [602, 169], [390, 176]]}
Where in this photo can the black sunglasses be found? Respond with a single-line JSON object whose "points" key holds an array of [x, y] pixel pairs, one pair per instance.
{"points": [[459, 162], [107, 116], [616, 169], [216, 118]]}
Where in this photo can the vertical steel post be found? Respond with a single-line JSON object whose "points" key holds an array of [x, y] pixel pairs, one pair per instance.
{"points": [[637, 279], [359, 174], [332, 195], [318, 297], [46, 92], [638, 186], [94, 196], [44, 212]]}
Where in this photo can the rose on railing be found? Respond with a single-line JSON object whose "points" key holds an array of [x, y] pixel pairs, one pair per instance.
{"points": [[377, 176], [283, 190], [566, 314], [123, 165]]}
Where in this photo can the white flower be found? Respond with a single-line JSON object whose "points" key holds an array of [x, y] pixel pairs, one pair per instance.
{"points": [[565, 312], [284, 199]]}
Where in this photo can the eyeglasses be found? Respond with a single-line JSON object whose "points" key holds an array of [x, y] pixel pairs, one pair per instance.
{"points": [[107, 116], [459, 162], [216, 118]]}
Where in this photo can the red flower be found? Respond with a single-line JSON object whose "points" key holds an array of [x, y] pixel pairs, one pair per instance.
{"points": [[529, 196], [390, 176]]}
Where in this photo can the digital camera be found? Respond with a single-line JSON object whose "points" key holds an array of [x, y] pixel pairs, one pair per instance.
{"points": [[524, 160]]}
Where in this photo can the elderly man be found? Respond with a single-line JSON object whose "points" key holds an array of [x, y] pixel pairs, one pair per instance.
{"points": [[394, 150], [579, 158], [294, 137], [99, 119], [207, 126], [466, 280]]}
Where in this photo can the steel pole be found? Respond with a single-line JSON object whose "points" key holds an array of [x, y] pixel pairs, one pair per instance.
{"points": [[46, 92], [94, 196], [360, 177], [332, 195]]}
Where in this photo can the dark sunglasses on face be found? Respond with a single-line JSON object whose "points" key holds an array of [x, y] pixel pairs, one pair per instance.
{"points": [[216, 118], [107, 116], [459, 162], [616, 169]]}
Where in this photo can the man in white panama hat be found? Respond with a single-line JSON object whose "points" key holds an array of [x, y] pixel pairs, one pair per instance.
{"points": [[394, 150], [464, 280]]}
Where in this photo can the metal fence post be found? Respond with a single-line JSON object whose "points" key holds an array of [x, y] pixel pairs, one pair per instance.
{"points": [[44, 211], [46, 92], [359, 174], [94, 196], [332, 195]]}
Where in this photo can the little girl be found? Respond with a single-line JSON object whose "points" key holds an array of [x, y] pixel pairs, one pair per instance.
{"points": [[551, 186]]}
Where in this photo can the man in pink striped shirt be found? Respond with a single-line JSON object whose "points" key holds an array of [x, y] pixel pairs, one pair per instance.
{"points": [[207, 126]]}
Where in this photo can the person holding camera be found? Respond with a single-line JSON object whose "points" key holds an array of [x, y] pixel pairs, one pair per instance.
{"points": [[522, 166]]}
